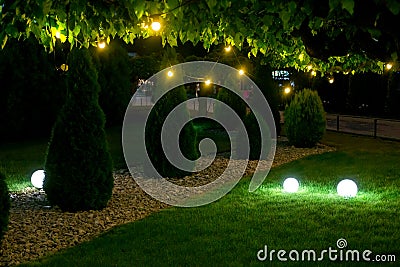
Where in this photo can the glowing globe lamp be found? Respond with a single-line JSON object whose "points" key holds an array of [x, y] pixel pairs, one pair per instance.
{"points": [[291, 185], [37, 178], [347, 188]]}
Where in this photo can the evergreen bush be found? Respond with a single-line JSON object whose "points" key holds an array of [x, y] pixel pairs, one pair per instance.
{"points": [[270, 91], [154, 124], [234, 102], [78, 164], [305, 121], [4, 205], [254, 135]]}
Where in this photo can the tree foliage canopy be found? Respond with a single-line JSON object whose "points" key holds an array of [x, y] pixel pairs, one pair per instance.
{"points": [[329, 35]]}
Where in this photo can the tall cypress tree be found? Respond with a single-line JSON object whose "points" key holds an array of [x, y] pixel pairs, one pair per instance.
{"points": [[78, 164]]}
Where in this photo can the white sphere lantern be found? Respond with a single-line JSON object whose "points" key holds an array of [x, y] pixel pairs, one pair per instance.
{"points": [[37, 179], [347, 188], [291, 185]]}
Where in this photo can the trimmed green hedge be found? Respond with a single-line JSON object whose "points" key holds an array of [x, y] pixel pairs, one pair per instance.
{"points": [[305, 121], [78, 164], [154, 124]]}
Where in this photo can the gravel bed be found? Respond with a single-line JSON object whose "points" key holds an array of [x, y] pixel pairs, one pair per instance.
{"points": [[37, 229]]}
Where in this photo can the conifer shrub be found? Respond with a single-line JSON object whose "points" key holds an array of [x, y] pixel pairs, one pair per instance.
{"points": [[270, 91], [4, 205], [78, 165], [254, 135], [232, 100], [305, 121], [187, 138]]}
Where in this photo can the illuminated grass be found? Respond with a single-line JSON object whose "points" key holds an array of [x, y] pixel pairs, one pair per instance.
{"points": [[231, 231], [19, 160]]}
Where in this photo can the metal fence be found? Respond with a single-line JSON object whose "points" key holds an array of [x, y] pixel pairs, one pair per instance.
{"points": [[375, 127]]}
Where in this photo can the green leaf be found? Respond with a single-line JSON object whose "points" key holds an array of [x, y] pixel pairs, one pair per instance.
{"points": [[348, 5], [394, 6], [292, 7], [333, 4], [285, 17], [254, 51], [3, 40], [267, 20], [12, 30], [139, 8], [77, 29], [211, 4]]}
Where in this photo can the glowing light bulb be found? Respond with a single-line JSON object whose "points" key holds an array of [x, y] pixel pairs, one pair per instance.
{"points": [[228, 48], [207, 82], [241, 72], [331, 80], [291, 185], [347, 188], [389, 66], [287, 90], [155, 26], [64, 67], [313, 73], [309, 67], [37, 178], [170, 73], [101, 45], [58, 34]]}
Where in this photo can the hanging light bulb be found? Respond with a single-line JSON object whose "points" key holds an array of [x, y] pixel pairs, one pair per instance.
{"points": [[101, 45], [155, 26], [331, 80], [228, 48]]}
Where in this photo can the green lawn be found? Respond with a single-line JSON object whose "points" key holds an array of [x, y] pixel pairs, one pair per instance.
{"points": [[231, 231], [19, 160]]}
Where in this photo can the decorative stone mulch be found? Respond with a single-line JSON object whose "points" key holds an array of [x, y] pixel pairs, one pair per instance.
{"points": [[37, 229]]}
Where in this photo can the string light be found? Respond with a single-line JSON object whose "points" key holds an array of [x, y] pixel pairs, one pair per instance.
{"points": [[309, 67], [170, 73], [331, 80], [313, 73], [101, 45], [287, 90], [208, 82], [389, 66], [241, 72], [155, 26], [58, 34], [228, 48]]}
